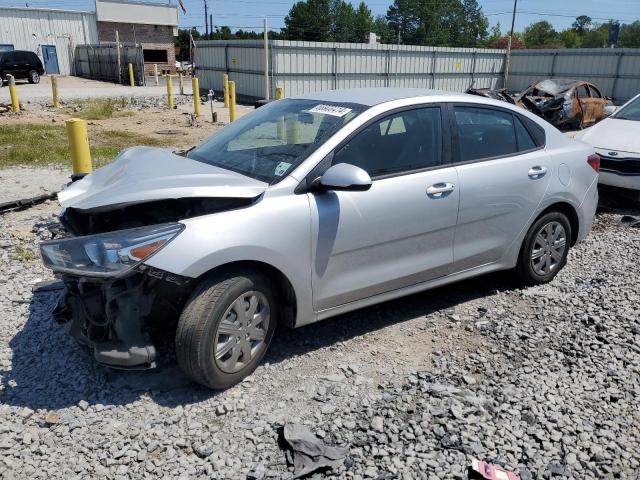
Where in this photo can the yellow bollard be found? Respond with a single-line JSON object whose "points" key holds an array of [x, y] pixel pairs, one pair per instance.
{"points": [[225, 89], [169, 92], [79, 146], [54, 91], [181, 82], [232, 101], [279, 93], [15, 105], [132, 81], [195, 86], [155, 72]]}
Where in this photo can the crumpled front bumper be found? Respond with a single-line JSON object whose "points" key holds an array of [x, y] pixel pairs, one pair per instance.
{"points": [[117, 318]]}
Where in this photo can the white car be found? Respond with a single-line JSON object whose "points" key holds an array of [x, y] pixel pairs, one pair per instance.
{"points": [[617, 142]]}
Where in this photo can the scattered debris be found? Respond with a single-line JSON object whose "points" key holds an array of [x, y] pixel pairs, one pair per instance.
{"points": [[630, 221], [309, 452], [480, 470], [26, 202]]}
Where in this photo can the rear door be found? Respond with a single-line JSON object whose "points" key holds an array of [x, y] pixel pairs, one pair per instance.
{"points": [[587, 105], [10, 63], [503, 172], [399, 232], [599, 102]]}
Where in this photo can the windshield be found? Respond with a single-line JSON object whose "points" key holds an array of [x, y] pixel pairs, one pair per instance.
{"points": [[629, 112], [270, 142]]}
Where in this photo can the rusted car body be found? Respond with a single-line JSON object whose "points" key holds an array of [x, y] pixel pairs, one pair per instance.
{"points": [[567, 104]]}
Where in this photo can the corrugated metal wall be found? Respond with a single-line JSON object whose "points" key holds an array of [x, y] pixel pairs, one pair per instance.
{"points": [[302, 67], [615, 71], [29, 28], [100, 62]]}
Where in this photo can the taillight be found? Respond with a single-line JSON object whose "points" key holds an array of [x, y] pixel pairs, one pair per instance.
{"points": [[594, 161]]}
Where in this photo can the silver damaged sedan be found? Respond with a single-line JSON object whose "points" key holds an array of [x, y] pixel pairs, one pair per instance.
{"points": [[307, 208]]}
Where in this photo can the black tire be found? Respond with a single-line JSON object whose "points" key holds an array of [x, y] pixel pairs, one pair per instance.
{"points": [[33, 77], [525, 267], [196, 335]]}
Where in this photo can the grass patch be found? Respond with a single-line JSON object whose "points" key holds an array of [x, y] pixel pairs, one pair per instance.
{"points": [[46, 144], [101, 108], [23, 254]]}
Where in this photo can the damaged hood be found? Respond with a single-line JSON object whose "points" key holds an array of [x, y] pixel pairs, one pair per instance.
{"points": [[143, 174]]}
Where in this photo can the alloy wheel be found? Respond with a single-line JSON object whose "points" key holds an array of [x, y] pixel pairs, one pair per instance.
{"points": [[548, 248], [242, 331]]}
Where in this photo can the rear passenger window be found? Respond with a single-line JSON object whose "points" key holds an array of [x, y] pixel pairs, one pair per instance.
{"points": [[484, 133], [594, 93], [525, 142], [582, 91], [402, 142]]}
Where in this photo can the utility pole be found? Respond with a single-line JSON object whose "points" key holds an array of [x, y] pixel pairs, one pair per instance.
{"points": [[506, 66], [206, 20], [266, 60], [211, 24]]}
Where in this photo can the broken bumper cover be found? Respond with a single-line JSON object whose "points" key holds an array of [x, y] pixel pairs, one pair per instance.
{"points": [[117, 318]]}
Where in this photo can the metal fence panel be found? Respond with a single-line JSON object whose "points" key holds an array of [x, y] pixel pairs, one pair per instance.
{"points": [[302, 67], [100, 62]]}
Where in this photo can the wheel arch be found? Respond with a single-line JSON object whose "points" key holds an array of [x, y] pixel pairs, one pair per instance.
{"points": [[285, 290], [570, 212]]}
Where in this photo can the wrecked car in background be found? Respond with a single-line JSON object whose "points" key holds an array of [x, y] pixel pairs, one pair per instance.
{"points": [[566, 104]]}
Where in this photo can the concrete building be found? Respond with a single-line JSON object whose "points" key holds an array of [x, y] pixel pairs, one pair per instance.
{"points": [[54, 34], [151, 24]]}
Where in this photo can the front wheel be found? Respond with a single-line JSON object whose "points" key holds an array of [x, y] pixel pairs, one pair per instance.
{"points": [[33, 77], [545, 249], [225, 329]]}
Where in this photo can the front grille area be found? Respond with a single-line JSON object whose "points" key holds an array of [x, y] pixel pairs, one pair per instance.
{"points": [[621, 166]]}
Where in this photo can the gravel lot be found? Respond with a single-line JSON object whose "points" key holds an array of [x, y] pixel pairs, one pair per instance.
{"points": [[543, 380]]}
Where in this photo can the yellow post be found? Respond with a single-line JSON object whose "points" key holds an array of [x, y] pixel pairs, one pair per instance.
{"points": [[195, 86], [225, 89], [132, 81], [79, 146], [232, 101], [279, 93], [155, 72], [181, 82], [54, 91], [15, 105], [169, 92]]}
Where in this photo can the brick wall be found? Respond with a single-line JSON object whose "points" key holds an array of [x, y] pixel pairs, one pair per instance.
{"points": [[156, 37]]}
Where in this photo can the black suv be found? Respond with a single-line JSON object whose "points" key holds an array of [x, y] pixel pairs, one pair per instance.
{"points": [[20, 64]]}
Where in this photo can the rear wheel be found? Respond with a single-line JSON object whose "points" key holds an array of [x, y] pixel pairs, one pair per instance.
{"points": [[545, 249], [33, 77], [225, 329]]}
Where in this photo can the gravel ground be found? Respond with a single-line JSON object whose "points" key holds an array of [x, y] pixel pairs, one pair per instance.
{"points": [[543, 380]]}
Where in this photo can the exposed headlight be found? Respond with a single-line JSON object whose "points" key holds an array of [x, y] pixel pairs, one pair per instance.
{"points": [[107, 254]]}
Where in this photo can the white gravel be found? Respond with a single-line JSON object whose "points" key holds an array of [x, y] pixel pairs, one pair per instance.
{"points": [[544, 380]]}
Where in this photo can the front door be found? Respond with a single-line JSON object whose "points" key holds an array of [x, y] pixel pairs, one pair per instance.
{"points": [[398, 233], [503, 173], [50, 59]]}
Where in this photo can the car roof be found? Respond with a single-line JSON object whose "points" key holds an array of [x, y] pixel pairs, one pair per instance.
{"points": [[375, 96]]}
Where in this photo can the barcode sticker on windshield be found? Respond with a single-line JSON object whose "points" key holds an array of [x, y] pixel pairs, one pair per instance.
{"points": [[281, 169], [334, 110]]}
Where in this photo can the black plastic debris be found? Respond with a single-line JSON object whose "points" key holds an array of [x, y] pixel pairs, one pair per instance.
{"points": [[26, 202], [630, 221], [309, 453]]}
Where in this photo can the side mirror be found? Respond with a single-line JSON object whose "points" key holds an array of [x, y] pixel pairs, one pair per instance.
{"points": [[344, 176]]}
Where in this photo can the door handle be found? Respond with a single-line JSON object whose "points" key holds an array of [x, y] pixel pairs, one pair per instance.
{"points": [[537, 172], [439, 189]]}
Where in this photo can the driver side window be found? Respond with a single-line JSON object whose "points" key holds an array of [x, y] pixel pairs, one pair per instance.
{"points": [[399, 143]]}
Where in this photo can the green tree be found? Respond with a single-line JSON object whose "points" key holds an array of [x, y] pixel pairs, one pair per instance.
{"points": [[581, 24], [629, 35], [540, 35], [182, 41], [381, 28], [309, 20], [597, 36], [570, 38], [362, 23], [343, 17]]}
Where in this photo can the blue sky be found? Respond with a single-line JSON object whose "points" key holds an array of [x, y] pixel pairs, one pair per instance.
{"points": [[248, 14]]}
